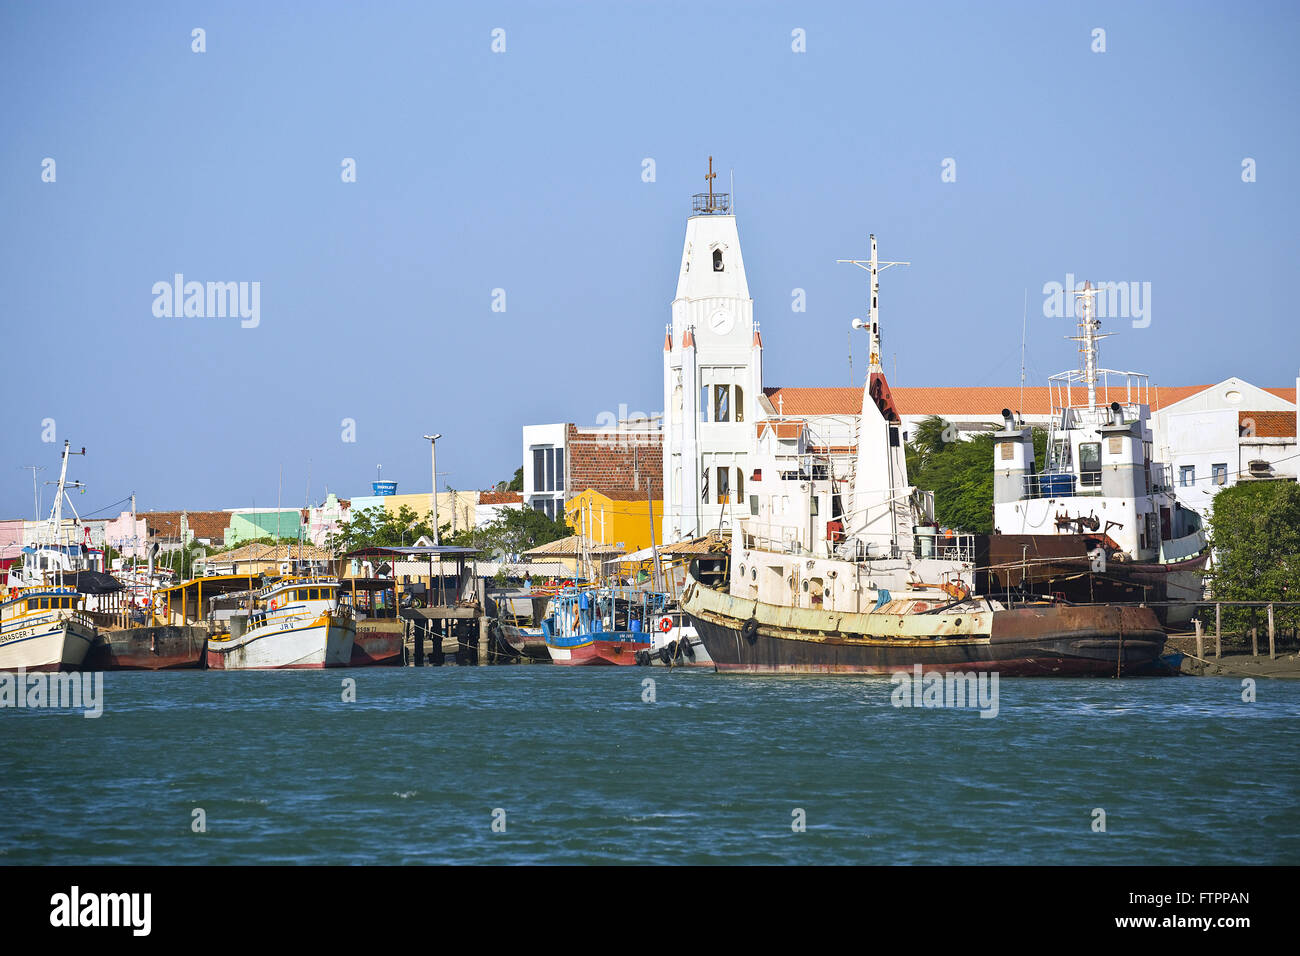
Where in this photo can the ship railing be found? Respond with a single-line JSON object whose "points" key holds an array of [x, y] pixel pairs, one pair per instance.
{"points": [[1063, 484], [1070, 390], [945, 547]]}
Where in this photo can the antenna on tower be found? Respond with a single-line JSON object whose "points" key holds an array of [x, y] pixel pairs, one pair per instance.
{"points": [[875, 267]]}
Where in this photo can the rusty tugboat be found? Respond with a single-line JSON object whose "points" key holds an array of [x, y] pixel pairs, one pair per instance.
{"points": [[877, 592]]}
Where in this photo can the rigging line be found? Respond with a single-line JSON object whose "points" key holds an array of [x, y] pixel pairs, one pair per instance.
{"points": [[106, 507]]}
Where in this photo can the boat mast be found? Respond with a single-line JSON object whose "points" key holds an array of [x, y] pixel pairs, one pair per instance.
{"points": [[1088, 337], [875, 267]]}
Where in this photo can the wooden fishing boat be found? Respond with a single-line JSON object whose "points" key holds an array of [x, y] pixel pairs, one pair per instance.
{"points": [[601, 625], [296, 622]]}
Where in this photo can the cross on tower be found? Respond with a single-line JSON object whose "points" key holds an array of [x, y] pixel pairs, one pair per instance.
{"points": [[709, 179]]}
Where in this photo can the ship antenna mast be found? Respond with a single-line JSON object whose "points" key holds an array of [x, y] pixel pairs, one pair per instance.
{"points": [[56, 512], [875, 267], [1088, 336]]}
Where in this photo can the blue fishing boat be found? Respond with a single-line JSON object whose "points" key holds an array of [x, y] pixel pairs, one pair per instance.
{"points": [[601, 625]]}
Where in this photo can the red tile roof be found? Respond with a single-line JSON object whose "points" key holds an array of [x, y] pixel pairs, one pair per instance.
{"points": [[946, 400], [500, 498], [202, 524], [782, 429], [1266, 424]]}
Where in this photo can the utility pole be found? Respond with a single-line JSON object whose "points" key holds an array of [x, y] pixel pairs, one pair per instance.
{"points": [[36, 498], [433, 485]]}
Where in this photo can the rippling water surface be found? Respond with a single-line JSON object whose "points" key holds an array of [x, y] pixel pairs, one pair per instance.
{"points": [[585, 771]]}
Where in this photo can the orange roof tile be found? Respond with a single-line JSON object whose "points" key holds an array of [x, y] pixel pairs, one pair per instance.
{"points": [[782, 429], [500, 498], [1266, 424], [946, 400]]}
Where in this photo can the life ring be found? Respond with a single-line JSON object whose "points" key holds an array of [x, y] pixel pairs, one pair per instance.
{"points": [[274, 604], [665, 624]]}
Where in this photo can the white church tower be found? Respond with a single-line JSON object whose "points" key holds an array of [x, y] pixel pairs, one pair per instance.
{"points": [[713, 376]]}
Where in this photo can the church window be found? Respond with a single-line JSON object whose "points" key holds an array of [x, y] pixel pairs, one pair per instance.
{"points": [[740, 404], [717, 261], [704, 403], [724, 485], [721, 403], [740, 483]]}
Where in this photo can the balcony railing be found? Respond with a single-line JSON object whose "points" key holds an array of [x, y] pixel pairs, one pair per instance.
{"points": [[708, 204]]}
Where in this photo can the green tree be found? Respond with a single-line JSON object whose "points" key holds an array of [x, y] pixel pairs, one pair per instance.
{"points": [[375, 527], [517, 530], [517, 482], [1255, 534], [959, 471]]}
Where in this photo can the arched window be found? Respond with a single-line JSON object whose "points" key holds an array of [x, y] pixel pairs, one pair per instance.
{"points": [[717, 260], [739, 410]]}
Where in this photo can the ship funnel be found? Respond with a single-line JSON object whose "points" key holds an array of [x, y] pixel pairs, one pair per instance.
{"points": [[1116, 414]]}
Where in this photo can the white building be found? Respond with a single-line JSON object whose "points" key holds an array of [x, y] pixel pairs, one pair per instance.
{"points": [[713, 377], [493, 504], [1225, 433], [544, 457]]}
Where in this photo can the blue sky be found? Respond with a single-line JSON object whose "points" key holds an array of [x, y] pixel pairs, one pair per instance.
{"points": [[522, 171]]}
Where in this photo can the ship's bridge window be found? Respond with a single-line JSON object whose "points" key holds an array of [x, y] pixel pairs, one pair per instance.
{"points": [[33, 604], [1090, 463]]}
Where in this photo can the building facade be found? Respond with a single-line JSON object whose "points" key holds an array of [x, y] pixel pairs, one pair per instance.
{"points": [[713, 377]]}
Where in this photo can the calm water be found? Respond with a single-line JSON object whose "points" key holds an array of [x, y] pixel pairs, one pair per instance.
{"points": [[586, 772]]}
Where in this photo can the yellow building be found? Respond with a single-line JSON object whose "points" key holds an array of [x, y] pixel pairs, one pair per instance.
{"points": [[620, 518], [463, 503]]}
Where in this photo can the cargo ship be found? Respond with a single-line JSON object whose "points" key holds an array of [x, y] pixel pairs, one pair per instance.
{"points": [[834, 571]]}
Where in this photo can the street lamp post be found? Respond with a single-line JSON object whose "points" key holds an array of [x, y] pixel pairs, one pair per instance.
{"points": [[433, 493]]}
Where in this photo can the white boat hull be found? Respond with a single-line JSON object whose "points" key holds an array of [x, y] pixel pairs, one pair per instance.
{"points": [[50, 645], [666, 639], [312, 645]]}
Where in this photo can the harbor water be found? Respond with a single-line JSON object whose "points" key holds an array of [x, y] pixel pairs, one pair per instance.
{"points": [[543, 764]]}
